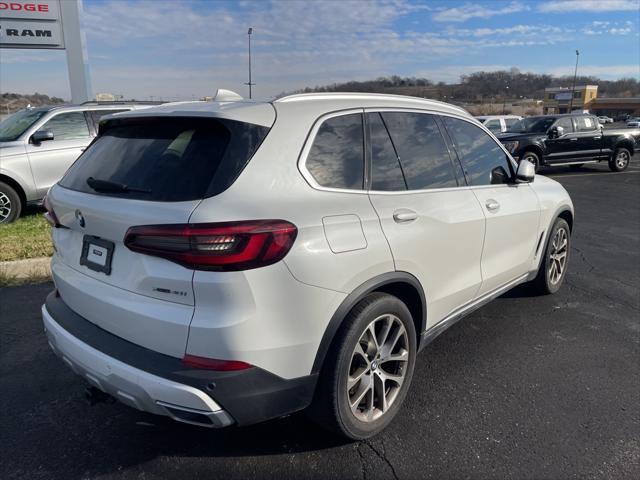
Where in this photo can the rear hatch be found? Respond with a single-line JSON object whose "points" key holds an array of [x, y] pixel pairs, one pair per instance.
{"points": [[140, 171]]}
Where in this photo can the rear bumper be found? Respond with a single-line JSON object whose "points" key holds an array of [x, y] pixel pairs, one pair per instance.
{"points": [[160, 384], [133, 386]]}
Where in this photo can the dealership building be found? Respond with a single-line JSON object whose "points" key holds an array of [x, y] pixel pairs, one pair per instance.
{"points": [[585, 98], [558, 99]]}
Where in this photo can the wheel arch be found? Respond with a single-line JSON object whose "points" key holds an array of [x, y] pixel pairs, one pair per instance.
{"points": [[534, 149], [567, 216], [399, 284], [16, 186], [624, 143]]}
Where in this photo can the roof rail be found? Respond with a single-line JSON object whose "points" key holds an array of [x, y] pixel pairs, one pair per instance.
{"points": [[362, 96], [123, 102]]}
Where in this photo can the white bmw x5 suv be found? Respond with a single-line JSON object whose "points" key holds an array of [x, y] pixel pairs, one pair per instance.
{"points": [[230, 262]]}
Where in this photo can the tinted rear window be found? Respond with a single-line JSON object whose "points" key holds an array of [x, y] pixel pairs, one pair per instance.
{"points": [[336, 158], [422, 150], [386, 173], [172, 160]]}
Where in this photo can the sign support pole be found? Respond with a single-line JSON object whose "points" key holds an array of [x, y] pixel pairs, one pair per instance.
{"points": [[76, 47]]}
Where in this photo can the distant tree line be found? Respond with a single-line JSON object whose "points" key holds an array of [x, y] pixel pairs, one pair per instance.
{"points": [[483, 87], [12, 102]]}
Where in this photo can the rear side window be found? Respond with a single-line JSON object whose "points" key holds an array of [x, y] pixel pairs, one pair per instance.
{"points": [[493, 125], [423, 152], [170, 159], [336, 158], [586, 124], [484, 162], [386, 174], [67, 126], [566, 123], [510, 121]]}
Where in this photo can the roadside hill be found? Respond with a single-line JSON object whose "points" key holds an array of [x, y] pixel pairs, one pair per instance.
{"points": [[12, 102]]}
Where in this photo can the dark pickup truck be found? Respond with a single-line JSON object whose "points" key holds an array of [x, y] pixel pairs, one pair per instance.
{"points": [[571, 139]]}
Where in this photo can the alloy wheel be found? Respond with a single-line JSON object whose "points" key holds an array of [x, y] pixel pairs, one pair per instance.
{"points": [[622, 159], [558, 255], [378, 368], [5, 207]]}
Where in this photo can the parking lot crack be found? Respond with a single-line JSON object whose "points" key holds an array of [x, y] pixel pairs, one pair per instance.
{"points": [[363, 469], [608, 297], [592, 267], [583, 257], [382, 456]]}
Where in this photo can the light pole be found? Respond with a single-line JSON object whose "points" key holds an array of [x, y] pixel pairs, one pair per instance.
{"points": [[504, 99], [575, 74], [249, 32]]}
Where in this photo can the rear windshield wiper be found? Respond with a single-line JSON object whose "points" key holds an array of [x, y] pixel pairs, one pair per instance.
{"points": [[107, 186]]}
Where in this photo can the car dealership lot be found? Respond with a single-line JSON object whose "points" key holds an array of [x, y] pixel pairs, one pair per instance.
{"points": [[528, 387]]}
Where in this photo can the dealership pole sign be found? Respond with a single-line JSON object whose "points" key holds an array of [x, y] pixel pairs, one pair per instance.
{"points": [[30, 24], [49, 24]]}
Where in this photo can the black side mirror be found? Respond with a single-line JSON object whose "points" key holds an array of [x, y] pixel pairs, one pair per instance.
{"points": [[41, 136], [499, 176], [555, 132]]}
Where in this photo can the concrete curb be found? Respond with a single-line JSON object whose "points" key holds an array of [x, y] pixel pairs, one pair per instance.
{"points": [[31, 267]]}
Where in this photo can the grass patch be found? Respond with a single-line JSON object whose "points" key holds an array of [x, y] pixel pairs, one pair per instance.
{"points": [[9, 280], [27, 237]]}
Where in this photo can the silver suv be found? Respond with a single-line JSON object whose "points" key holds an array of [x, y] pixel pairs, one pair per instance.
{"points": [[37, 145], [229, 262]]}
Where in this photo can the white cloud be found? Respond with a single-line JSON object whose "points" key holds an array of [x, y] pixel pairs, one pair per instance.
{"points": [[9, 56], [601, 71], [609, 28], [589, 6], [176, 49], [523, 30], [472, 10]]}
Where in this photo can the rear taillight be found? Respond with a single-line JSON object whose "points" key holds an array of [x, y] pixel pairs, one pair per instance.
{"points": [[228, 246], [192, 361], [50, 215]]}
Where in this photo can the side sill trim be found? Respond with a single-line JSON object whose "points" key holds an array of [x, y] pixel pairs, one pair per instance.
{"points": [[431, 334]]}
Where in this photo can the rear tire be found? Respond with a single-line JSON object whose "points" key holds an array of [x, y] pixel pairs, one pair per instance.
{"points": [[10, 204], [368, 369], [553, 266], [533, 158], [620, 160]]}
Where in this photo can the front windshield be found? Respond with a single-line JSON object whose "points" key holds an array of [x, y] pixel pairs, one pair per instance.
{"points": [[15, 125], [532, 125]]}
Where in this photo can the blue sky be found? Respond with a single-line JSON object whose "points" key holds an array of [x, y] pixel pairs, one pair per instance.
{"points": [[183, 49]]}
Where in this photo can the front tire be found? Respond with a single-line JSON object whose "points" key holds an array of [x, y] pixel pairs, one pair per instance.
{"points": [[533, 158], [553, 267], [10, 204], [620, 160], [368, 369]]}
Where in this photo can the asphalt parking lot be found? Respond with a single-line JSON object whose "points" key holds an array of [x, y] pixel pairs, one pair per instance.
{"points": [[526, 387]]}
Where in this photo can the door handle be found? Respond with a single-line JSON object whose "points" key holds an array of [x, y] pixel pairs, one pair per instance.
{"points": [[597, 138], [492, 205], [404, 216], [574, 139]]}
